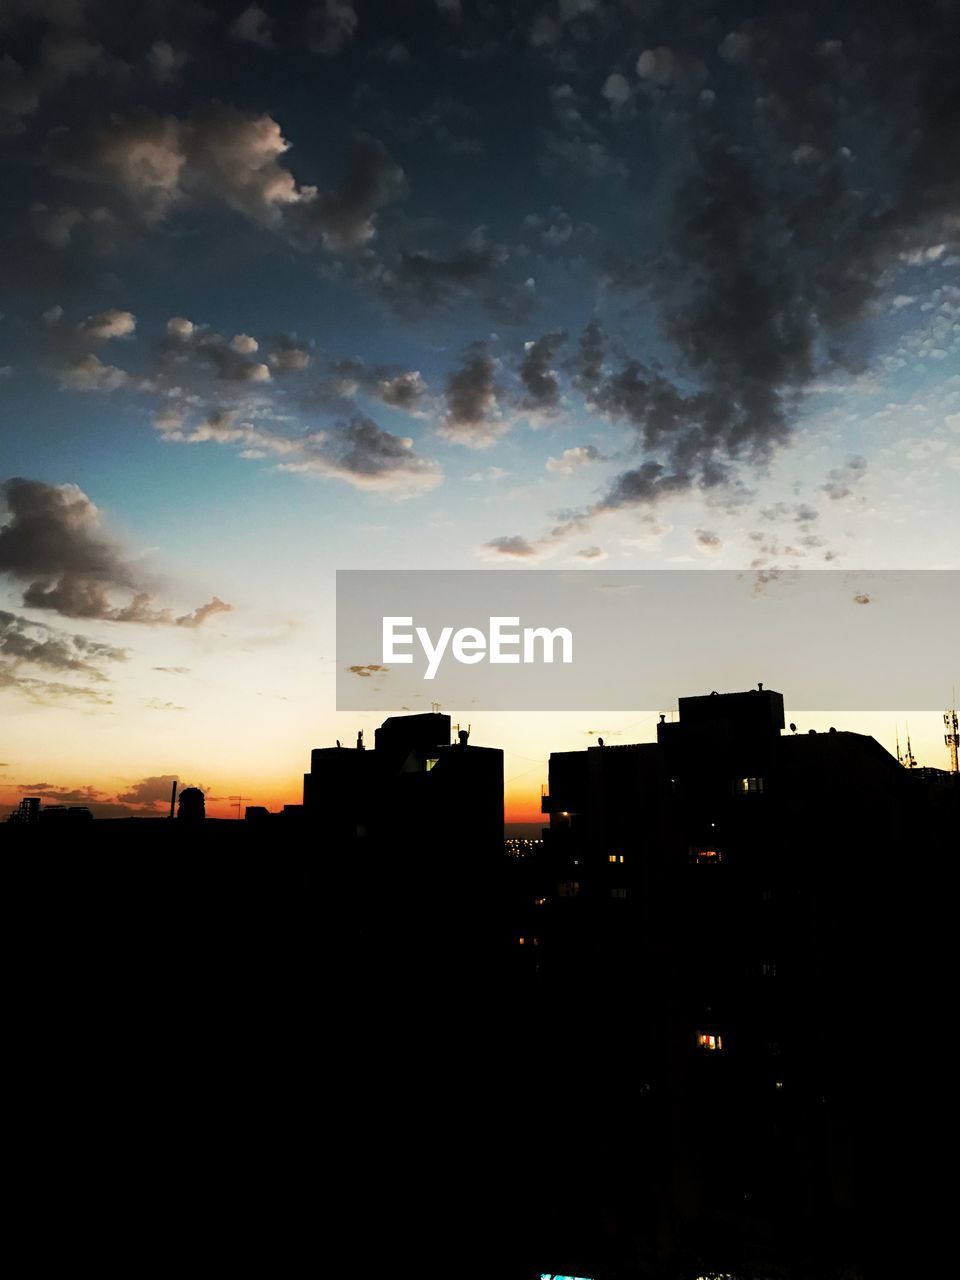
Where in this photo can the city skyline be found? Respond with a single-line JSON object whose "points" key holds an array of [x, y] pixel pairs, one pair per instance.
{"points": [[296, 287]]}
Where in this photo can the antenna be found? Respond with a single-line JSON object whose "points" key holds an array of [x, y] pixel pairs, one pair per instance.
{"points": [[237, 802], [950, 737]]}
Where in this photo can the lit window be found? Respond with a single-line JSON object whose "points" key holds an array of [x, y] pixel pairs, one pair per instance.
{"points": [[569, 889], [710, 1041], [539, 902], [615, 857], [431, 763], [769, 969], [749, 786], [706, 857]]}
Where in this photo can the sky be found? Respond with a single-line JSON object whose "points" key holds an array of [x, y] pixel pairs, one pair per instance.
{"points": [[292, 288]]}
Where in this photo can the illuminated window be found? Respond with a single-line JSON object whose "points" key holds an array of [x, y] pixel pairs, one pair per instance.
{"points": [[569, 889], [710, 1041], [431, 763], [706, 857], [615, 857], [769, 969], [749, 786]]}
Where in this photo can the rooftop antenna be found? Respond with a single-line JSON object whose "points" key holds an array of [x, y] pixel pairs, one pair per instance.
{"points": [[909, 760], [360, 740], [899, 756], [950, 737], [237, 802]]}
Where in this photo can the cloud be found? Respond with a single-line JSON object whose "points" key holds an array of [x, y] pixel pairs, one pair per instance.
{"points": [[616, 89], [165, 61], [150, 791], [367, 669], [34, 643], [109, 324], [221, 155], [346, 218], [52, 541], [707, 540], [422, 280], [572, 459], [62, 56], [252, 26], [513, 547], [331, 26], [589, 554], [472, 414], [841, 481], [209, 610], [89, 373], [403, 390], [540, 381], [288, 355], [367, 457]]}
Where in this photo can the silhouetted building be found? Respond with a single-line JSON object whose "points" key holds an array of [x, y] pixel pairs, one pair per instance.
{"points": [[191, 806], [414, 786], [705, 920], [27, 813]]}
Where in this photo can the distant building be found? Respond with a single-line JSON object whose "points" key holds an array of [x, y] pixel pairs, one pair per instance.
{"points": [[414, 785], [191, 805], [27, 812]]}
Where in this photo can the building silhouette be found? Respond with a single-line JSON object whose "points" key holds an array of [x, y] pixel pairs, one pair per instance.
{"points": [[645, 1047], [191, 805], [708, 916]]}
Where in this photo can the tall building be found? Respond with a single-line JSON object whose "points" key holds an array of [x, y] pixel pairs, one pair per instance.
{"points": [[709, 915]]}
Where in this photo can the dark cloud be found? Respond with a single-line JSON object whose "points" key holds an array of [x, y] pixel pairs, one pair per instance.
{"points": [[364, 455], [53, 542], [367, 669], [331, 26], [707, 540], [515, 547], [540, 380], [253, 26], [346, 218], [62, 56], [472, 413], [150, 791], [36, 644], [421, 279]]}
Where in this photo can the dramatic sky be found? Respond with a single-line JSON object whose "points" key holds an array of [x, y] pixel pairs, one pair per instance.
{"points": [[444, 284]]}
